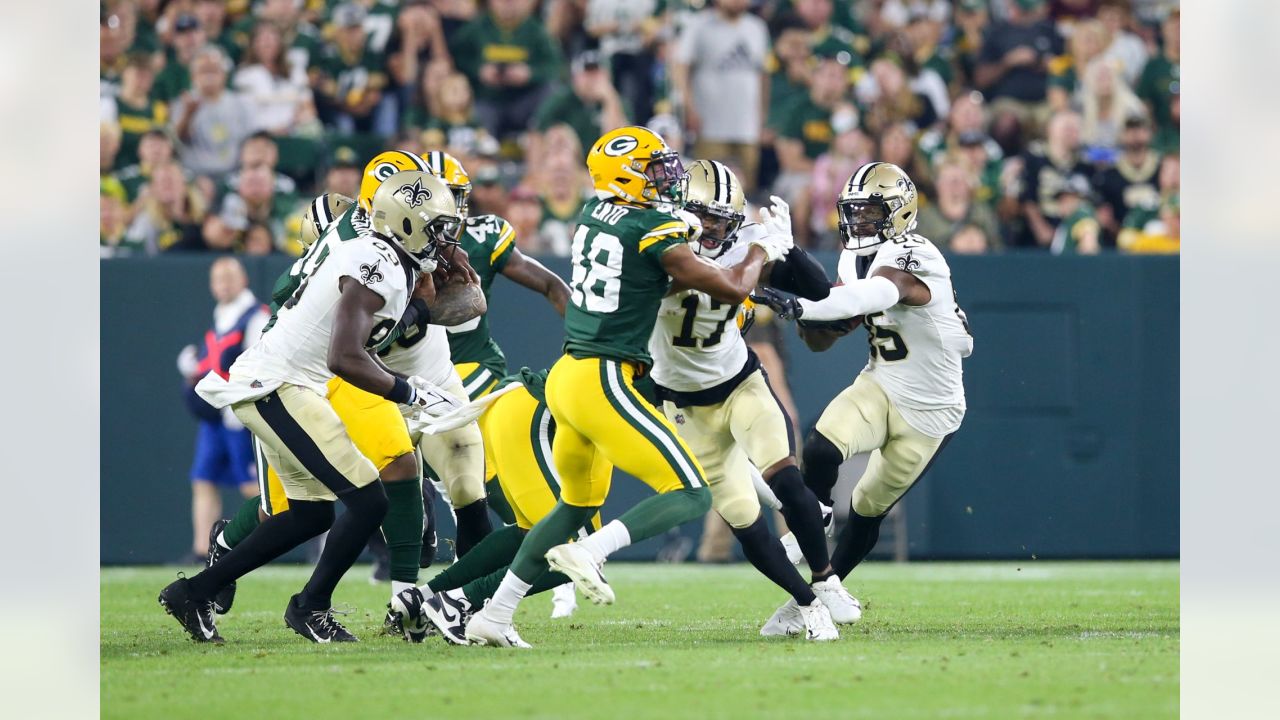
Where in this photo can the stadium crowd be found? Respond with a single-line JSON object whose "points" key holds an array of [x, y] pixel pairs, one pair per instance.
{"points": [[1047, 125]]}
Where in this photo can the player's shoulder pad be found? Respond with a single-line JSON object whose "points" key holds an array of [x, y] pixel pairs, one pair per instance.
{"points": [[914, 254]]}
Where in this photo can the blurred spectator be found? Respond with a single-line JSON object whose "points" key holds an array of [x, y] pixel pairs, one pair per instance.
{"points": [[1046, 169], [1124, 50], [808, 127], [850, 150], [1108, 102], [113, 222], [1088, 40], [1013, 65], [970, 240], [1078, 232], [488, 196], [260, 149], [224, 449], [135, 110], [155, 149], [254, 200], [454, 14], [417, 50], [789, 67], [185, 41], [453, 122], [559, 200], [898, 146], [342, 177], [927, 62], [965, 133], [718, 73], [114, 39], [109, 137], [348, 77], [888, 100], [628, 33], [830, 34], [590, 104], [1067, 13], [1168, 182], [1161, 235], [971, 19], [955, 208], [212, 15], [279, 98], [511, 62], [1132, 181], [302, 38], [344, 172], [211, 121], [169, 213], [1160, 84], [524, 212], [259, 240]]}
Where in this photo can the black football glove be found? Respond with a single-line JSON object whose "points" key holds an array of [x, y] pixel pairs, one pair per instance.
{"points": [[786, 306]]}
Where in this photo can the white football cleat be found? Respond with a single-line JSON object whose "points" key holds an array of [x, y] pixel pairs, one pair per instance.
{"points": [[792, 546], [817, 622], [844, 607], [786, 620], [580, 565], [564, 601], [483, 631]]}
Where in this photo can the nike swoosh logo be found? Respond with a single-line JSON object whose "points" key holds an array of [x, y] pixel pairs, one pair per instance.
{"points": [[444, 610], [207, 632]]}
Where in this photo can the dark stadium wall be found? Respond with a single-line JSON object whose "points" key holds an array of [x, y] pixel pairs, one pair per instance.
{"points": [[1069, 448]]}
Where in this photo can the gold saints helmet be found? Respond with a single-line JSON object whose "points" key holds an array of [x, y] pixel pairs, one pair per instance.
{"points": [[634, 164], [321, 213], [382, 166], [447, 168], [714, 195], [416, 211], [878, 204]]}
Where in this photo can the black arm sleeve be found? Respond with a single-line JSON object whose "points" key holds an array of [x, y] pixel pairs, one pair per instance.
{"points": [[416, 315], [799, 274]]}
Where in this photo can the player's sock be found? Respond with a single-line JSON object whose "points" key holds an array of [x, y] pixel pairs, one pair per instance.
{"points": [[766, 553], [822, 460], [559, 525], [659, 513], [498, 502], [242, 523], [804, 517], [402, 528], [481, 589], [607, 540], [365, 509], [273, 538], [473, 525], [856, 540], [494, 552], [502, 607]]}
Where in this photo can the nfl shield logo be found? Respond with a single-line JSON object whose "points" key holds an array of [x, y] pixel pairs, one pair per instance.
{"points": [[679, 418]]}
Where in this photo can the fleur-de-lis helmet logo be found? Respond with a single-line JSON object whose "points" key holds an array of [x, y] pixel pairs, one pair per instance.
{"points": [[415, 194], [371, 273]]}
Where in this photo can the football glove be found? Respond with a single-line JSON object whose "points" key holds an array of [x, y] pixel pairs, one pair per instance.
{"points": [[775, 247], [431, 398], [785, 306], [695, 224], [776, 218]]}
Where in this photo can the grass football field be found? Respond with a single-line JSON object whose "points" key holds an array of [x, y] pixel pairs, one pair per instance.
{"points": [[963, 640]]}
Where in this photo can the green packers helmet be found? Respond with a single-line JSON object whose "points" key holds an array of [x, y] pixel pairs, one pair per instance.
{"points": [[321, 213], [714, 195], [878, 204], [447, 168], [416, 211]]}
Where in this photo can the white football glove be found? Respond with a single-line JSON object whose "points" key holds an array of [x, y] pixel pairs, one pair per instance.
{"points": [[695, 224], [777, 222], [775, 247], [431, 398]]}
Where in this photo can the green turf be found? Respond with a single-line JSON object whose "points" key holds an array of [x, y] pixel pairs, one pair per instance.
{"points": [[1038, 639]]}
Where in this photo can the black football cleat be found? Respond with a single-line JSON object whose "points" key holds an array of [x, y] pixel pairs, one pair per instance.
{"points": [[318, 626], [195, 615], [227, 595]]}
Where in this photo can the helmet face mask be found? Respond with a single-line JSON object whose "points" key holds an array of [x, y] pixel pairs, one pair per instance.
{"points": [[877, 205], [665, 174], [417, 212], [863, 223], [719, 229]]}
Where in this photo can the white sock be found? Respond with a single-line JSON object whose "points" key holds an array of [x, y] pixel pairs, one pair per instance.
{"points": [[222, 540], [398, 587], [608, 540], [502, 607]]}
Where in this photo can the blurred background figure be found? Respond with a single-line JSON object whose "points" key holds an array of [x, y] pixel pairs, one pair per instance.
{"points": [[224, 450]]}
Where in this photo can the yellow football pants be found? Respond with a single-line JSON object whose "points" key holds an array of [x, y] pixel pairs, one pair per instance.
{"points": [[477, 380], [602, 423], [373, 423], [518, 432]]}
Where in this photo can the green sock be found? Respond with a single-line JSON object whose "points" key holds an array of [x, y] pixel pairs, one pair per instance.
{"points": [[242, 523], [402, 527], [498, 502], [481, 589], [557, 527], [493, 552], [659, 513]]}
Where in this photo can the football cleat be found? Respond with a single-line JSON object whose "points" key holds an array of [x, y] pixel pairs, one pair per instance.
{"points": [[483, 631], [564, 601], [786, 620], [193, 614], [394, 626], [227, 595], [406, 608], [844, 607], [581, 567], [817, 622], [792, 546], [318, 626], [448, 612]]}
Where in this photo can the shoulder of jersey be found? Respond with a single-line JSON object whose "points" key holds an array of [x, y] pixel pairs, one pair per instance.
{"points": [[913, 253]]}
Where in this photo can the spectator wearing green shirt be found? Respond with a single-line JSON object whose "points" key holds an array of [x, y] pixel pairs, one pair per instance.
{"points": [[590, 104], [187, 39], [809, 125], [254, 200], [169, 214], [452, 121], [955, 207], [348, 78], [108, 148], [154, 149], [212, 15], [1078, 232], [112, 219], [511, 61], [1160, 84], [828, 36], [1088, 40], [136, 110], [788, 66]]}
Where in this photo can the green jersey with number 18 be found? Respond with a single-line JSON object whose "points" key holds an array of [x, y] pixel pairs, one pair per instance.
{"points": [[489, 242], [618, 279]]}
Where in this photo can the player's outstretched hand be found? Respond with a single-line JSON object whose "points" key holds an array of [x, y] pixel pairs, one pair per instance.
{"points": [[786, 306], [695, 224], [775, 247], [431, 398]]}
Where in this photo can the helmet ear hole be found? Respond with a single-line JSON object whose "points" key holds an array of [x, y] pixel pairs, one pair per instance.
{"points": [[406, 226]]}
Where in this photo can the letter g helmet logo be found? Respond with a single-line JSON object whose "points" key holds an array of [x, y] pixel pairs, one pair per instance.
{"points": [[621, 145]]}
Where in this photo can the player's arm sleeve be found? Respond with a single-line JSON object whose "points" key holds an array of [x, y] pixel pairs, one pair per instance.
{"points": [[669, 233], [799, 274], [856, 298], [504, 247]]}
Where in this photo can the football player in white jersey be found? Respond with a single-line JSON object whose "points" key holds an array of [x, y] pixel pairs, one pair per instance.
{"points": [[713, 389], [353, 297], [909, 399]]}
